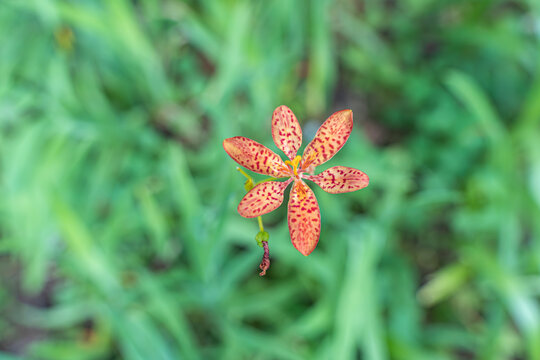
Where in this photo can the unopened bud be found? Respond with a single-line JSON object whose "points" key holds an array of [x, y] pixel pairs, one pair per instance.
{"points": [[261, 236], [248, 185]]}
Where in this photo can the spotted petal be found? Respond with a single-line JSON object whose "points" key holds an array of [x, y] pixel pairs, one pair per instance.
{"points": [[262, 199], [329, 139], [255, 157], [340, 179], [286, 131], [304, 218]]}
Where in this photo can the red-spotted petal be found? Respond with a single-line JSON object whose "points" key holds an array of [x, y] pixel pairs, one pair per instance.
{"points": [[262, 199], [255, 157], [304, 218], [340, 179], [329, 139], [286, 131]]}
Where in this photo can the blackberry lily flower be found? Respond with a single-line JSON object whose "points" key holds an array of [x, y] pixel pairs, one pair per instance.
{"points": [[304, 217]]}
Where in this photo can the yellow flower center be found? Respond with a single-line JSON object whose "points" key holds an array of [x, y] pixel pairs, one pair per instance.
{"points": [[294, 164]]}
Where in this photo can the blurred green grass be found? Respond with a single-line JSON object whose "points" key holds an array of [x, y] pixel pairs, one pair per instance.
{"points": [[119, 237]]}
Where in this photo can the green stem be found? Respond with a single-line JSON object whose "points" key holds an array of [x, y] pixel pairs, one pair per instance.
{"points": [[261, 227], [262, 236], [250, 180], [244, 173]]}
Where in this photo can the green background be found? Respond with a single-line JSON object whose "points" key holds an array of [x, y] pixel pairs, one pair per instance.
{"points": [[119, 236]]}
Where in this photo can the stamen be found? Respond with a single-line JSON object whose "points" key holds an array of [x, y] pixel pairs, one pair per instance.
{"points": [[294, 164]]}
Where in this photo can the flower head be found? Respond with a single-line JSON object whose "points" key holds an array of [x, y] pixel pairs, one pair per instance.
{"points": [[304, 217]]}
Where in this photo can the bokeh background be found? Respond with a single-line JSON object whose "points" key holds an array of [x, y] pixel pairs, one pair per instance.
{"points": [[119, 236]]}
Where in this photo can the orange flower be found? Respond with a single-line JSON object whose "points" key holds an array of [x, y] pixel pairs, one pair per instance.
{"points": [[304, 217]]}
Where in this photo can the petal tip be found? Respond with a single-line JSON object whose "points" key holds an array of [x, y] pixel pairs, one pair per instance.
{"points": [[304, 250], [345, 112], [348, 113], [242, 213], [227, 143], [366, 180]]}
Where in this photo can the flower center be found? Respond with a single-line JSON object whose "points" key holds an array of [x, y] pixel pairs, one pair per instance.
{"points": [[294, 164]]}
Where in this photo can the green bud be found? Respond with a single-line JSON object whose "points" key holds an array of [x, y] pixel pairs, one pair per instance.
{"points": [[261, 236], [248, 185]]}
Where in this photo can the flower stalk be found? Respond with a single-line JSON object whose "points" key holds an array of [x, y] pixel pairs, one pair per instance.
{"points": [[262, 236]]}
